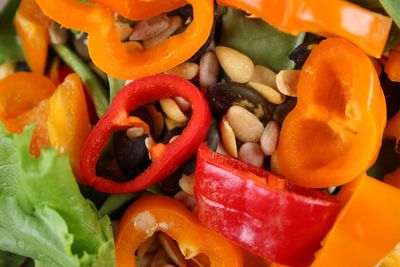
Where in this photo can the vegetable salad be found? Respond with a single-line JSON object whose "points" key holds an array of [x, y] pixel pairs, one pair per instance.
{"points": [[199, 133]]}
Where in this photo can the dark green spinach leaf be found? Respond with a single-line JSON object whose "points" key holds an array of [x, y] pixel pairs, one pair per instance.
{"points": [[264, 44], [10, 48]]}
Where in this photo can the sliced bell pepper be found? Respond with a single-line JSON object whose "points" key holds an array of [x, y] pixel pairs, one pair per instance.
{"points": [[108, 53], [367, 228], [139, 9], [392, 66], [150, 214], [165, 158], [334, 133], [366, 29], [32, 29], [23, 101], [259, 211], [68, 120]]}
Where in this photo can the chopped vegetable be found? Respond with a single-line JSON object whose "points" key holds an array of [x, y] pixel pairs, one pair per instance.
{"points": [[334, 133], [165, 158]]}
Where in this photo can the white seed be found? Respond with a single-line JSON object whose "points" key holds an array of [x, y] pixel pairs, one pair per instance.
{"points": [[149, 142], [6, 69], [286, 82], [245, 125], [182, 103], [175, 23], [133, 46], [149, 28], [236, 65], [228, 138], [171, 124], [209, 69], [264, 75], [186, 183], [123, 30], [252, 154], [173, 138], [58, 35], [221, 149], [172, 110], [188, 200], [268, 93], [269, 138], [172, 249], [134, 132], [186, 70]]}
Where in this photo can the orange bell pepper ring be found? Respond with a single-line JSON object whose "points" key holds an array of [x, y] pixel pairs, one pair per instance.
{"points": [[31, 26], [367, 29], [159, 213], [392, 66], [109, 54], [68, 120], [367, 228], [139, 9], [23, 101], [334, 133]]}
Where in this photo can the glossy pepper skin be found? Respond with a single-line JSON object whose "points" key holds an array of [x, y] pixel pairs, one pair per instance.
{"points": [[108, 53], [165, 158], [259, 211], [23, 101], [366, 29], [32, 28], [334, 133], [139, 9], [150, 214], [367, 228]]}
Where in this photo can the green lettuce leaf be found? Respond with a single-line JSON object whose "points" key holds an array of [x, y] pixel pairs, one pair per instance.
{"points": [[42, 212], [264, 44], [10, 48]]}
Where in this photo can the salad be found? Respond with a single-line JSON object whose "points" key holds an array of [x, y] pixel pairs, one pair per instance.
{"points": [[199, 133]]}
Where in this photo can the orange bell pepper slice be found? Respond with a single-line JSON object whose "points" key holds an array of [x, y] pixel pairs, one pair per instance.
{"points": [[392, 66], [159, 213], [334, 133], [23, 101], [367, 228], [139, 9], [367, 29], [109, 54], [31, 26], [68, 120]]}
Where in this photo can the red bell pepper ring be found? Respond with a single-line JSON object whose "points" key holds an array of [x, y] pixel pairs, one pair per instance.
{"points": [[165, 158], [261, 212]]}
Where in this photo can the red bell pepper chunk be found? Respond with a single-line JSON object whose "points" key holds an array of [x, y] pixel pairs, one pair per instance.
{"points": [[165, 158], [260, 211]]}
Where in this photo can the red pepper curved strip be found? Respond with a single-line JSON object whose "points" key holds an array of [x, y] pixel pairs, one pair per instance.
{"points": [[263, 213], [165, 158], [109, 54], [139, 9], [367, 29]]}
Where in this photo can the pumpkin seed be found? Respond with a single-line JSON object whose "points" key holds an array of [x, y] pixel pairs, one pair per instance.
{"points": [[245, 125], [228, 137], [252, 154]]}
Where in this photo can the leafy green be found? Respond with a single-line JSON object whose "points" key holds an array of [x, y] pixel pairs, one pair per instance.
{"points": [[95, 88], [10, 48], [388, 160], [114, 202], [264, 44], [43, 214], [115, 85], [392, 7]]}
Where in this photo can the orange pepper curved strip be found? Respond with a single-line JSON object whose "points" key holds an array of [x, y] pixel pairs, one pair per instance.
{"points": [[393, 178], [139, 9], [367, 228], [68, 120], [109, 54], [159, 213], [23, 101], [366, 29], [334, 133], [31, 26]]}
